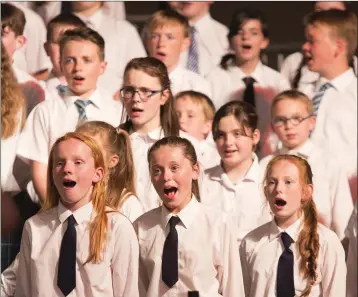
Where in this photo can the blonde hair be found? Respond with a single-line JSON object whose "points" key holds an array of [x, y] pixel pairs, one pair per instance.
{"points": [[200, 99], [99, 226], [12, 98], [308, 239], [121, 179], [292, 95]]}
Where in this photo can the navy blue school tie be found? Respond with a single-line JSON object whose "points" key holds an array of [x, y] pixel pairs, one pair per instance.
{"points": [[285, 280], [66, 278], [249, 94], [170, 254]]}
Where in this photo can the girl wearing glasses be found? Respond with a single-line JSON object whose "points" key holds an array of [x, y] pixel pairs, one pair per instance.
{"points": [[150, 116], [293, 122], [234, 185]]}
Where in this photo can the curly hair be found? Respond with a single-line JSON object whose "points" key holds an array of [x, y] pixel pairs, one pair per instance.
{"points": [[12, 98]]}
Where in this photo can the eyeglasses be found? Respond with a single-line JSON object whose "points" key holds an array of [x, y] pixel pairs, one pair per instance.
{"points": [[295, 121], [127, 93]]}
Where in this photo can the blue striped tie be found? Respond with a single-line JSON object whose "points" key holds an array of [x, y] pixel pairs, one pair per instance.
{"points": [[193, 58], [318, 97], [81, 107]]}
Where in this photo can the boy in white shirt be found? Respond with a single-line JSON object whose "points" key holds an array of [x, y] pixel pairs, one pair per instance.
{"points": [[209, 38], [196, 113], [331, 42], [82, 62], [293, 121], [242, 76], [167, 34]]}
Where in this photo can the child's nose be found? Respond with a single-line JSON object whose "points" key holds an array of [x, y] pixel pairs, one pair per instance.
{"points": [[68, 167], [168, 175]]}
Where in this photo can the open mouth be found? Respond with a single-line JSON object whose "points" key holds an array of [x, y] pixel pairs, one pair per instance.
{"points": [[69, 184], [170, 192], [78, 78], [280, 202], [246, 46], [161, 54]]}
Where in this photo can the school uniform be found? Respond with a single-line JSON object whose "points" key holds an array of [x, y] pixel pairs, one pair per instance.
{"points": [[309, 79], [208, 153], [336, 124], [261, 249], [228, 85], [116, 275], [207, 252], [32, 56], [182, 79], [351, 234], [330, 186], [243, 200], [132, 208], [211, 43]]}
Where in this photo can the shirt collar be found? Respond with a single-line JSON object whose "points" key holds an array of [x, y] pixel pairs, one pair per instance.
{"points": [[186, 215], [293, 230], [94, 21], [203, 23], [70, 98], [304, 151], [83, 214], [257, 74], [340, 82], [153, 135]]}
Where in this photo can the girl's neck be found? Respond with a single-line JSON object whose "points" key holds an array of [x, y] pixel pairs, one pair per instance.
{"points": [[248, 67], [237, 172], [147, 127], [285, 223]]}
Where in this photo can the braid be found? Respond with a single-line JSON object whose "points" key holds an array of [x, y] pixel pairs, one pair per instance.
{"points": [[298, 74]]}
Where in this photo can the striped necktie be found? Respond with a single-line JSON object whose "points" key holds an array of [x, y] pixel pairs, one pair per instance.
{"points": [[81, 107], [318, 97], [193, 58]]}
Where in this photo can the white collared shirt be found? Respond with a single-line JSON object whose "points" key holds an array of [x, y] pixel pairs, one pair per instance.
{"points": [[51, 119], [351, 234], [261, 249], [212, 44], [208, 260], [331, 191], [244, 201], [116, 275], [309, 79], [228, 85], [132, 208], [32, 56], [208, 153], [183, 79], [336, 124]]}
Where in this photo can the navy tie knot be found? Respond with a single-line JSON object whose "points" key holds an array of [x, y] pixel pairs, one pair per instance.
{"points": [[248, 80], [286, 240], [173, 221]]}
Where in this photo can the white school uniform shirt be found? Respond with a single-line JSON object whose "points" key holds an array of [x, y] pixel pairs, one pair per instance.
{"points": [[228, 85], [116, 275], [182, 79], [336, 124], [351, 234], [331, 191], [309, 79], [132, 208], [212, 43], [32, 56], [208, 260], [244, 201], [122, 44], [208, 153], [261, 249]]}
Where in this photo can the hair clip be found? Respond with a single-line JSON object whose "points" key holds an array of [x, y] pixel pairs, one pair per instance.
{"points": [[118, 130]]}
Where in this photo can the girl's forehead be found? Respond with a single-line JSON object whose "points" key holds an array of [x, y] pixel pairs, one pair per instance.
{"points": [[140, 77], [71, 147]]}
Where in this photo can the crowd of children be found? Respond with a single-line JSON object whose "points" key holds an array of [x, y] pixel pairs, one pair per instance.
{"points": [[173, 162]]}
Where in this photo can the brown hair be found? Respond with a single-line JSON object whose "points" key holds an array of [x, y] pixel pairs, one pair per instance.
{"points": [[121, 182], [343, 25], [308, 239], [99, 226], [155, 68], [12, 17], [12, 98], [292, 95], [188, 152], [201, 99], [83, 34]]}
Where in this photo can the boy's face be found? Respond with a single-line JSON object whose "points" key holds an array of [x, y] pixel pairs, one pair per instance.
{"points": [[192, 118], [292, 136], [249, 41], [52, 47], [166, 43], [81, 65], [11, 42], [191, 10], [320, 48]]}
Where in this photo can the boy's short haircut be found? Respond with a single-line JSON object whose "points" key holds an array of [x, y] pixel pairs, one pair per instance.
{"points": [[64, 20], [12, 17], [163, 18], [343, 24], [83, 34], [200, 99], [292, 95], [245, 14]]}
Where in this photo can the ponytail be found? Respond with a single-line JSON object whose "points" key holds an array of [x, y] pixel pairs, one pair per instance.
{"points": [[298, 74], [226, 60]]}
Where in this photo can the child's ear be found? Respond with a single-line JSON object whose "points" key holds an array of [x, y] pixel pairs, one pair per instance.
{"points": [[186, 44], [256, 136], [20, 41], [341, 47], [98, 175], [312, 122], [207, 127], [103, 67], [307, 192], [265, 43], [164, 97], [196, 171], [113, 161]]}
